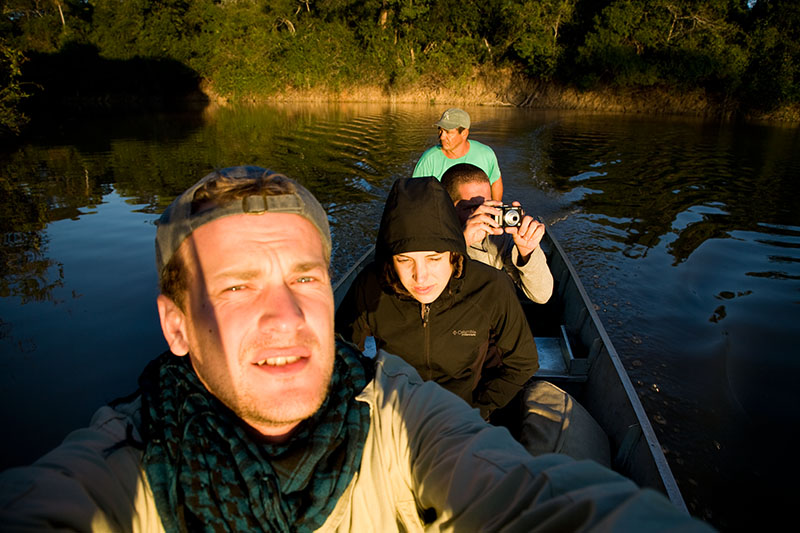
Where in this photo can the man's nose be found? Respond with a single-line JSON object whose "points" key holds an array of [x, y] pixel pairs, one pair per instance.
{"points": [[280, 310]]}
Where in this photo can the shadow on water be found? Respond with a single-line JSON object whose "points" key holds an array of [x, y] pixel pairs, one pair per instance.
{"points": [[687, 185], [76, 81]]}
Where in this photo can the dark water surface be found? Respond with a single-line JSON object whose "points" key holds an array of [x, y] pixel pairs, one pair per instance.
{"points": [[686, 234]]}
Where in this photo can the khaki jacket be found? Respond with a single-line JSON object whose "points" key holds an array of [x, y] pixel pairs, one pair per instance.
{"points": [[426, 450], [534, 277]]}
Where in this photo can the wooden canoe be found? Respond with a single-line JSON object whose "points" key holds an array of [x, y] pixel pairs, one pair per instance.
{"points": [[576, 354]]}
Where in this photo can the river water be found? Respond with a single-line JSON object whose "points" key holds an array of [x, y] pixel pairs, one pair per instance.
{"points": [[686, 234]]}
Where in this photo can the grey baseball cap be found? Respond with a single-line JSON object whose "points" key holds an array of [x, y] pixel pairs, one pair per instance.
{"points": [[183, 215], [454, 118]]}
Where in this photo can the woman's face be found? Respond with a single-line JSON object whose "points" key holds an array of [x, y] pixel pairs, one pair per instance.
{"points": [[423, 274]]}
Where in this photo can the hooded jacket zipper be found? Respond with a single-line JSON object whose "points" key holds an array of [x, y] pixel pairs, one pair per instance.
{"points": [[425, 312]]}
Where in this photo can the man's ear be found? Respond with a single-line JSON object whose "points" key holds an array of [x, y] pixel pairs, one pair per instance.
{"points": [[173, 325]]}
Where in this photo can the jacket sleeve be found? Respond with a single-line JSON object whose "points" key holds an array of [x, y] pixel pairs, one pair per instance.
{"points": [[351, 316], [93, 481], [467, 475], [514, 342], [534, 276]]}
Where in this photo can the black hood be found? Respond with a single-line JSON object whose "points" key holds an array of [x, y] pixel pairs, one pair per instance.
{"points": [[418, 216]]}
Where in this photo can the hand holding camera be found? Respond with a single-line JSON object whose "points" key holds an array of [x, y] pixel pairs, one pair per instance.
{"points": [[495, 218], [482, 221], [527, 233]]}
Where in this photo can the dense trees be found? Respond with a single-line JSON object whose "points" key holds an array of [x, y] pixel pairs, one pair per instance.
{"points": [[11, 90], [532, 31], [746, 51], [773, 71]]}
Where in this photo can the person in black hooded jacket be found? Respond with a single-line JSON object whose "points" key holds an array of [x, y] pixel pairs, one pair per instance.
{"points": [[456, 320]]}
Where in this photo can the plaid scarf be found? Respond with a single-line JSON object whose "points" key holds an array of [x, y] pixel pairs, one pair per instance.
{"points": [[209, 471]]}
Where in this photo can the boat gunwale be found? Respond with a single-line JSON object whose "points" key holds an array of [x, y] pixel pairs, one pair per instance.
{"points": [[670, 486]]}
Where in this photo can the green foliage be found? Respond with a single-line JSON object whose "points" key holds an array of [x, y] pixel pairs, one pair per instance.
{"points": [[773, 75], [44, 25], [171, 29], [533, 31], [648, 42], [735, 49], [11, 91]]}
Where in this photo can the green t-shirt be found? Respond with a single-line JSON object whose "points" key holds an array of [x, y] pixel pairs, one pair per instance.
{"points": [[433, 162]]}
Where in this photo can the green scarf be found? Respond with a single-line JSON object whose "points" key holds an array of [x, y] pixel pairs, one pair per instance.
{"points": [[209, 471]]}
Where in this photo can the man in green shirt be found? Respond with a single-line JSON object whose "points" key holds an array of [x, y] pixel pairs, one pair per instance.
{"points": [[455, 147]]}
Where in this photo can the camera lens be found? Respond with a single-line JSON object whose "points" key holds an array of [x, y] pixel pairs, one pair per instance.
{"points": [[511, 218]]}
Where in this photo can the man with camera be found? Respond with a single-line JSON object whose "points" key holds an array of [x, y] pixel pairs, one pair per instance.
{"points": [[497, 235], [454, 148]]}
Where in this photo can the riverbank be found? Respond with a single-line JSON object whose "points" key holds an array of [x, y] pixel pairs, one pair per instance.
{"points": [[138, 89], [508, 88]]}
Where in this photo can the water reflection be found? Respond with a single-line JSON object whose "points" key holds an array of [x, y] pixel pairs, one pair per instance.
{"points": [[25, 273], [686, 183], [686, 234], [690, 233]]}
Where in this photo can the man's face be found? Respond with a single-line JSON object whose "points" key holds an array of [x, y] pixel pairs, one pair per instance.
{"points": [[452, 140], [258, 319], [423, 274], [470, 196]]}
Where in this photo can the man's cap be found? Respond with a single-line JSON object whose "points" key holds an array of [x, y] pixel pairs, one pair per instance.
{"points": [[453, 118], [183, 216]]}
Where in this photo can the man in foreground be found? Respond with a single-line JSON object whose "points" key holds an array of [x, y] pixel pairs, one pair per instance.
{"points": [[454, 148], [260, 421], [513, 249]]}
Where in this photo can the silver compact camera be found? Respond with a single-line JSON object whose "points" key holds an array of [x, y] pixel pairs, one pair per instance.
{"points": [[510, 216]]}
